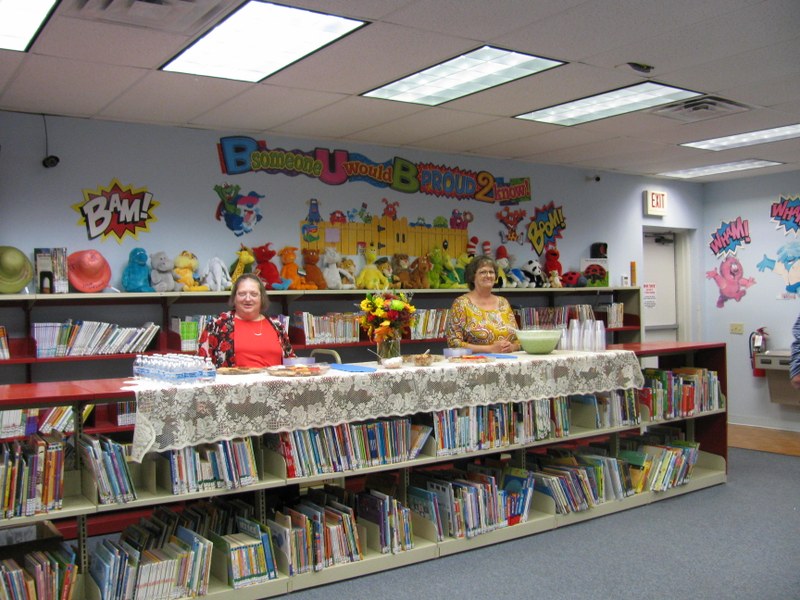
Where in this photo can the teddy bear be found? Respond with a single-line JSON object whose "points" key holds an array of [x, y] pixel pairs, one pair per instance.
{"points": [[311, 266], [347, 270], [185, 272], [291, 271], [533, 271], [216, 275], [161, 273], [402, 274], [266, 269], [336, 277], [419, 272], [136, 275]]}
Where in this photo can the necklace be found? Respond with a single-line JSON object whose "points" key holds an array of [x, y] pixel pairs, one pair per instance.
{"points": [[260, 328]]}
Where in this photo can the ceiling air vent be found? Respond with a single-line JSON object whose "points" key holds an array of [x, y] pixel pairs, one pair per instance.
{"points": [[699, 109], [185, 17]]}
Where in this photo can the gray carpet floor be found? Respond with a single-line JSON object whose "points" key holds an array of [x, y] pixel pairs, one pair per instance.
{"points": [[740, 540]]}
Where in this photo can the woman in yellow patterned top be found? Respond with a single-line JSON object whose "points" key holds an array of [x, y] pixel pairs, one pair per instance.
{"points": [[479, 320]]}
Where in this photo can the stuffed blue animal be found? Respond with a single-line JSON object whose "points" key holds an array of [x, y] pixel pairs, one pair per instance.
{"points": [[136, 276]]}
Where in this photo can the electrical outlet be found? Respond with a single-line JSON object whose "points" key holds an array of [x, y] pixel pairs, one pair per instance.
{"points": [[737, 328]]}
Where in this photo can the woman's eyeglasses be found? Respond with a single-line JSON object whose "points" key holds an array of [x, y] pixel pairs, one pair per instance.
{"points": [[485, 273]]}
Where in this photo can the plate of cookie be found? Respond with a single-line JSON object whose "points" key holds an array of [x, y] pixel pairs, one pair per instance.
{"points": [[240, 370], [298, 370], [471, 359]]}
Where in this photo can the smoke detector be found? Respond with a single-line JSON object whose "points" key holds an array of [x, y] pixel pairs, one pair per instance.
{"points": [[699, 109]]}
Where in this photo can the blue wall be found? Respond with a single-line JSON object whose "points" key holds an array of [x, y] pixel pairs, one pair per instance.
{"points": [[179, 167]]}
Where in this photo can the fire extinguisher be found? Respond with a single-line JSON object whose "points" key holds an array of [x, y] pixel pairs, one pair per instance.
{"points": [[758, 345]]}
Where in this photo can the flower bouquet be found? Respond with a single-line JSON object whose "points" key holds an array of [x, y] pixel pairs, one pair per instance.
{"points": [[386, 315]]}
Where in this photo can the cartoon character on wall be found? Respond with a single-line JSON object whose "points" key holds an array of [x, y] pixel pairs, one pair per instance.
{"points": [[786, 264], [390, 209], [240, 213], [730, 280], [511, 219], [337, 217], [313, 211], [460, 220]]}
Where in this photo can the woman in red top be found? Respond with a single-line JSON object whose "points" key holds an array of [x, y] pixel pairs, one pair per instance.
{"points": [[244, 337]]}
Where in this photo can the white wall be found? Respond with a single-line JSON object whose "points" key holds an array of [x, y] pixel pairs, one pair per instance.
{"points": [[762, 306]]}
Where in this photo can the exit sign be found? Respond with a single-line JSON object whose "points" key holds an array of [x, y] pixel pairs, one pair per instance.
{"points": [[655, 203]]}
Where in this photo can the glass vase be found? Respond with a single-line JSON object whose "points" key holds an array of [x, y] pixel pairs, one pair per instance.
{"points": [[388, 348]]}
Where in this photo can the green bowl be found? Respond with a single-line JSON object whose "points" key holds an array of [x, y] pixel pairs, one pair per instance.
{"points": [[539, 341]]}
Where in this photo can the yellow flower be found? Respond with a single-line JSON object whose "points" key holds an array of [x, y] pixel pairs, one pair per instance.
{"points": [[366, 305]]}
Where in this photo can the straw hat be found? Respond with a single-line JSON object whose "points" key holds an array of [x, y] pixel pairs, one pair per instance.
{"points": [[88, 271], [15, 270]]}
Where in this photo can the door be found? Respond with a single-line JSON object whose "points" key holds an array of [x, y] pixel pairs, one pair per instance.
{"points": [[658, 285]]}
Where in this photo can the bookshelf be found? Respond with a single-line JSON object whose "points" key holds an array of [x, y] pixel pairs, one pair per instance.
{"points": [[81, 502]]}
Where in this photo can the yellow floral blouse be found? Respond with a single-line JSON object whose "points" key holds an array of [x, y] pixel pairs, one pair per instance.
{"points": [[470, 324]]}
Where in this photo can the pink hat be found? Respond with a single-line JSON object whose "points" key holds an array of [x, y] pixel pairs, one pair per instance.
{"points": [[88, 271]]}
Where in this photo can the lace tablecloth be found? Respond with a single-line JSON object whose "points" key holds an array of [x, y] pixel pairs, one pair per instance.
{"points": [[169, 417]]}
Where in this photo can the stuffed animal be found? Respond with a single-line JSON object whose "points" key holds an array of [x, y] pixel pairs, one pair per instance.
{"points": [[385, 267], [504, 276], [185, 272], [402, 274], [371, 277], [216, 276], [555, 279], [336, 278], [266, 269], [244, 262], [420, 269], [313, 272], [291, 271], [551, 260], [533, 271], [573, 279], [347, 270], [136, 276], [441, 275], [161, 273]]}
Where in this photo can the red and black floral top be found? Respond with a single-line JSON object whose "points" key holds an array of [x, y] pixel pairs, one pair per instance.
{"points": [[216, 340]]}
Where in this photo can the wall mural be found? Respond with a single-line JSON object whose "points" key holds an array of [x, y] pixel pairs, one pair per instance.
{"points": [[786, 264], [241, 154], [116, 211], [729, 277]]}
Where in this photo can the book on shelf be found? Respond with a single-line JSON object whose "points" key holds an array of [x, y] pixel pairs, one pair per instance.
{"points": [[5, 354], [51, 270]]}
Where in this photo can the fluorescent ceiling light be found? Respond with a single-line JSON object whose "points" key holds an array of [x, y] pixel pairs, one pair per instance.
{"points": [[610, 104], [20, 20], [739, 165], [747, 139], [463, 75], [259, 39]]}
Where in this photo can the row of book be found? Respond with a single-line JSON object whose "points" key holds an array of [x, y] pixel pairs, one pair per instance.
{"points": [[471, 501], [552, 317], [227, 464], [44, 574], [430, 323], [349, 446], [680, 392], [107, 461], [21, 422], [90, 338], [331, 328], [604, 410], [615, 314], [32, 475]]}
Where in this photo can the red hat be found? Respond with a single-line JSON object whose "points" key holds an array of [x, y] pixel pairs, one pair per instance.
{"points": [[88, 271], [501, 252], [487, 248]]}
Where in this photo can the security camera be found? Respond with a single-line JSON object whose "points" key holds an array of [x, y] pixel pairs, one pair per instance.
{"points": [[595, 178], [50, 161]]}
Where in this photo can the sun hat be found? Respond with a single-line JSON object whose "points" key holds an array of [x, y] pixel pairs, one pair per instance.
{"points": [[15, 270], [88, 271]]}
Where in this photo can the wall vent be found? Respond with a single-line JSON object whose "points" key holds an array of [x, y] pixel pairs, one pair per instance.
{"points": [[699, 109], [186, 17]]}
